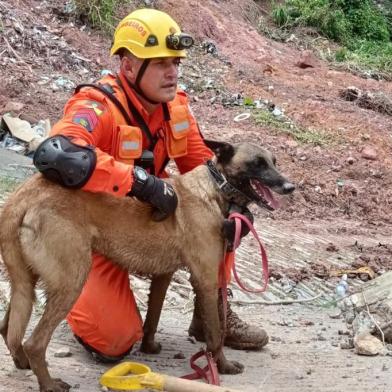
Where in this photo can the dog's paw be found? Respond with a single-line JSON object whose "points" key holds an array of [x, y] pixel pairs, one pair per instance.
{"points": [[150, 347], [230, 367], [57, 385]]}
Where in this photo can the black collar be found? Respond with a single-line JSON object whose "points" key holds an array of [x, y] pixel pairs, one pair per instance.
{"points": [[230, 193]]}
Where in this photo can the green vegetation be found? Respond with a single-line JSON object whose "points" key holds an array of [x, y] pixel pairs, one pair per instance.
{"points": [[99, 13], [362, 28], [282, 124]]}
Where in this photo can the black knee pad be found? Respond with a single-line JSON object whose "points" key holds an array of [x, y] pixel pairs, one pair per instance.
{"points": [[64, 162]]}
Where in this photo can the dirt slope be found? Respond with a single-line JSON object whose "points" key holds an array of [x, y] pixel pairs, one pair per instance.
{"points": [[45, 52], [42, 44]]}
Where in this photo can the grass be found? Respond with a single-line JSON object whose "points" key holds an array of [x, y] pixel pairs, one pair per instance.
{"points": [[100, 14], [363, 31], [284, 125], [373, 56]]}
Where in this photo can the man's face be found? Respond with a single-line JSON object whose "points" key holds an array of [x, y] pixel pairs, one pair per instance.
{"points": [[159, 81]]}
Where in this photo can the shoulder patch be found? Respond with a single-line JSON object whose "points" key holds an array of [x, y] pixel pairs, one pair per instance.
{"points": [[87, 116]]}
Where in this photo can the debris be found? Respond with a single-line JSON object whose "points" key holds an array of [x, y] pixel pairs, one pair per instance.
{"points": [[351, 93], [367, 344], [277, 112], [105, 72], [33, 145], [378, 102], [282, 302], [342, 288], [363, 323], [364, 273], [18, 128], [42, 128], [241, 117], [372, 308], [63, 352], [209, 47], [63, 84]]}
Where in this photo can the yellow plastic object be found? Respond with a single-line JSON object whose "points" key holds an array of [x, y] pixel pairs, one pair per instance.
{"points": [[366, 271], [131, 376]]}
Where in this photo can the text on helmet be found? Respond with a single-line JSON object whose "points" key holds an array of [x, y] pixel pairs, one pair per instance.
{"points": [[134, 25]]}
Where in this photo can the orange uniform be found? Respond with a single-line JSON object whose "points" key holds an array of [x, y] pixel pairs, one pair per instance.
{"points": [[105, 315]]}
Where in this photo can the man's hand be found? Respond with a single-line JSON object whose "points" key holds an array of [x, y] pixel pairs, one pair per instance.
{"points": [[155, 191], [229, 225]]}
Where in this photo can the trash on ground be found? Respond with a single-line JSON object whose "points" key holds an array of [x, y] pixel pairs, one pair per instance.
{"points": [[369, 312]]}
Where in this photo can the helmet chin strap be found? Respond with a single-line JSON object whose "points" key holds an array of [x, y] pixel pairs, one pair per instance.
{"points": [[136, 85]]}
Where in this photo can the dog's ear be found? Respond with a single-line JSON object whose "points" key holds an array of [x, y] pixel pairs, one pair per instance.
{"points": [[223, 151]]}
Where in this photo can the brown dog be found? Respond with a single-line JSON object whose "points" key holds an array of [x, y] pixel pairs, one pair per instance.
{"points": [[48, 232]]}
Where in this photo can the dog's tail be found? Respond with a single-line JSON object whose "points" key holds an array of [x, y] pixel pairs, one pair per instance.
{"points": [[21, 278]]}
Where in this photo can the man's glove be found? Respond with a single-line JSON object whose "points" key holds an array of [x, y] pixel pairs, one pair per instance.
{"points": [[229, 225], [155, 191]]}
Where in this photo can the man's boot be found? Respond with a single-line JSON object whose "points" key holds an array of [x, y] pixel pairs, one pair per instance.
{"points": [[239, 334]]}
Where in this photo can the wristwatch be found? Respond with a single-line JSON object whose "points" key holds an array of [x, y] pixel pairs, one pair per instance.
{"points": [[140, 177]]}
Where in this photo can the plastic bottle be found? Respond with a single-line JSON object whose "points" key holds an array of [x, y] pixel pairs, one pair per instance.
{"points": [[342, 287]]}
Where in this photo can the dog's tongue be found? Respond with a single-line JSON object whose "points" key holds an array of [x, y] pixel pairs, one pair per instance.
{"points": [[265, 193]]}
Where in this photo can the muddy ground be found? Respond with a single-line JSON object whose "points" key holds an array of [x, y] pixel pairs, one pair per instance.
{"points": [[339, 156]]}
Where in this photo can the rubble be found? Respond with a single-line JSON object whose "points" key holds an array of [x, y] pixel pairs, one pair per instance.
{"points": [[18, 135], [379, 101], [368, 315]]}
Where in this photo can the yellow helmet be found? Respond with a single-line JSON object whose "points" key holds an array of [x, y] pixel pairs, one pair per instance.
{"points": [[149, 33]]}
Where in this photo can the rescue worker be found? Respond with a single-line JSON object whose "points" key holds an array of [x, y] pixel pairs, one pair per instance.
{"points": [[118, 135]]}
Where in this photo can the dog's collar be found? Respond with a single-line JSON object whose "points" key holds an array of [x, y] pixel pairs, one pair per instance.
{"points": [[230, 193]]}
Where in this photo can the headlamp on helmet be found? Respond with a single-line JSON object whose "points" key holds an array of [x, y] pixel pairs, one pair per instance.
{"points": [[179, 41]]}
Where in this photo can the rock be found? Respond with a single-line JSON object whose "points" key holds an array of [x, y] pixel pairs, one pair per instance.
{"points": [[33, 144], [63, 352], [370, 153], [12, 106], [367, 344], [18, 128], [346, 343], [363, 323], [291, 144], [277, 112], [307, 60]]}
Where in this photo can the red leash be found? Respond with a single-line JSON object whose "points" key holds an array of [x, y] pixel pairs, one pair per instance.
{"points": [[210, 372], [238, 218]]}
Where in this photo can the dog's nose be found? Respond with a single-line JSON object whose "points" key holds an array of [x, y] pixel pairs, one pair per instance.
{"points": [[288, 187]]}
